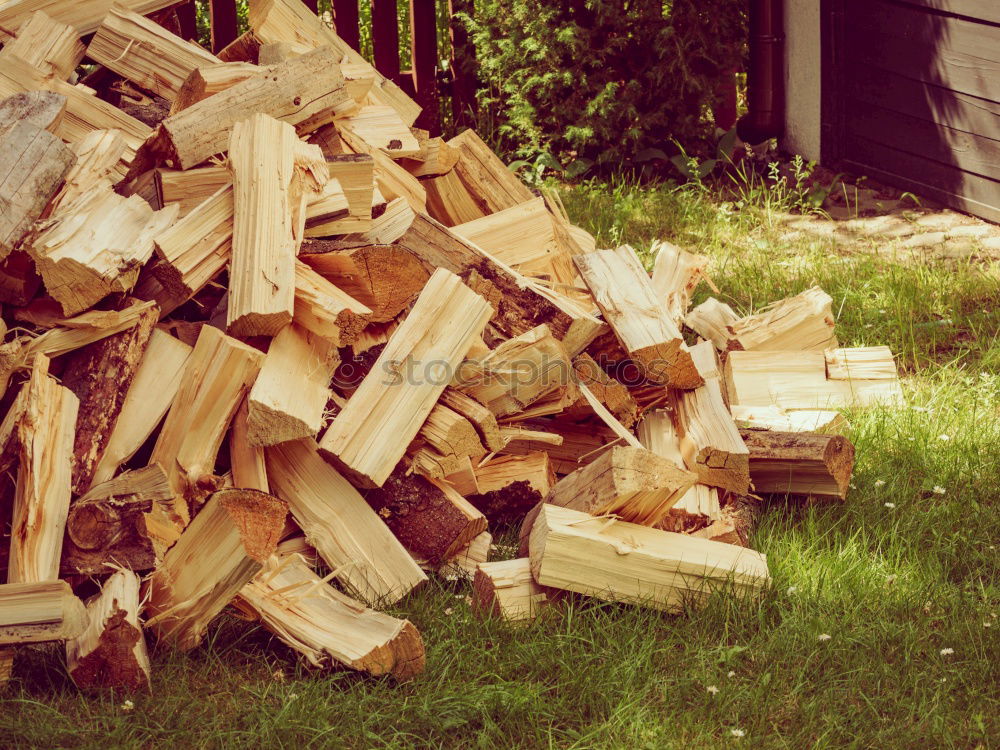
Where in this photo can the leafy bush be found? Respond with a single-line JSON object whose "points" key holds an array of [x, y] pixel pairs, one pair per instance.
{"points": [[602, 81]]}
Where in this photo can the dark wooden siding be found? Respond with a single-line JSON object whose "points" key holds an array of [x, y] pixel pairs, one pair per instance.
{"points": [[911, 96]]}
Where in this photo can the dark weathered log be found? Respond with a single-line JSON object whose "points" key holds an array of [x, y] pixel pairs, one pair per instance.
{"points": [[799, 463]]}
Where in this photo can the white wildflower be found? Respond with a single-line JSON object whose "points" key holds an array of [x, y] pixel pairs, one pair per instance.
{"points": [[293, 696], [448, 611], [712, 689], [880, 483], [890, 579], [890, 506], [732, 673], [737, 733], [938, 490], [987, 624], [791, 590], [947, 651], [823, 637], [127, 705], [944, 437]]}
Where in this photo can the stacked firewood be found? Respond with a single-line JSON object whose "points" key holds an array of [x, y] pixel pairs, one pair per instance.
{"points": [[259, 326]]}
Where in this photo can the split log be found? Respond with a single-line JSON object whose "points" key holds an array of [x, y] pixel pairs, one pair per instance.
{"points": [[581, 443], [384, 278], [83, 15], [479, 184], [676, 274], [289, 396], [436, 157], [33, 163], [222, 549], [146, 401], [796, 463], [430, 518], [372, 432], [98, 159], [246, 461], [463, 564], [111, 653], [106, 527], [217, 376], [330, 213], [447, 431], [308, 89], [100, 375], [775, 418], [510, 486], [391, 180], [96, 246], [482, 419], [506, 589], [625, 295], [800, 323], [327, 627], [632, 483], [40, 611], [710, 443], [44, 434], [142, 51], [351, 538], [711, 320], [432, 464], [206, 80], [189, 188], [613, 395], [861, 363], [381, 128], [244, 48], [47, 44], [619, 561], [327, 310], [43, 109]]}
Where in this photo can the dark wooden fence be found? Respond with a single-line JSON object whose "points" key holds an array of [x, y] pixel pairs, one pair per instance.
{"points": [[433, 89]]}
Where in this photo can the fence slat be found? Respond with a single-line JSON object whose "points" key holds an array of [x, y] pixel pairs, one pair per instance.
{"points": [[222, 15], [423, 46], [312, 5], [347, 23], [385, 38], [463, 65], [187, 18]]}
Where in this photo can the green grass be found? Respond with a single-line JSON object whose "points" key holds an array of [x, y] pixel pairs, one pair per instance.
{"points": [[892, 586]]}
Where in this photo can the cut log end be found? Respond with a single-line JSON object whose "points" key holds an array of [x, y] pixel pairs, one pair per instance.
{"points": [[260, 518], [668, 364], [259, 324]]}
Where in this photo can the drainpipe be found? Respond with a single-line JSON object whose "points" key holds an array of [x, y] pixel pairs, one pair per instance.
{"points": [[766, 75]]}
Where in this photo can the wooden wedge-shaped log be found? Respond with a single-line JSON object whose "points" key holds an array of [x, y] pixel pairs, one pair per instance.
{"points": [[206, 80], [99, 155], [371, 434], [225, 546], [246, 461], [506, 589], [42, 109], [676, 274], [325, 309], [189, 188], [40, 611], [481, 418], [447, 431], [625, 294], [462, 565], [800, 323], [351, 537], [612, 394], [111, 653], [632, 483], [619, 561], [329, 628], [712, 320], [797, 463], [84, 15], [47, 44]]}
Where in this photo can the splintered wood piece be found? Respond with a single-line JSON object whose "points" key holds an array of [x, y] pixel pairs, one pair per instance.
{"points": [[106, 527], [329, 213], [635, 484], [325, 309], [351, 538], [44, 434], [247, 461], [711, 320], [147, 400], [262, 269], [463, 564], [710, 443], [509, 486], [356, 175], [581, 443], [217, 376], [49, 45], [381, 128], [225, 546], [289, 396], [96, 246], [431, 464], [197, 248], [372, 432], [484, 420], [292, 21], [327, 627], [625, 294], [429, 517], [506, 589], [33, 163], [100, 375], [797, 463], [447, 431], [618, 561], [775, 418], [384, 278], [83, 15], [800, 323], [142, 51], [676, 274], [518, 373], [206, 80], [479, 184], [392, 181], [615, 396], [436, 157], [86, 328], [244, 48], [190, 188], [111, 653], [861, 363], [40, 611], [304, 88], [524, 237], [98, 157]]}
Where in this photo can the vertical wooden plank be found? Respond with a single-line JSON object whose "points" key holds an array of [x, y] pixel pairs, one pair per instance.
{"points": [[222, 16], [423, 46], [187, 17], [385, 38], [346, 22], [312, 5], [463, 66]]}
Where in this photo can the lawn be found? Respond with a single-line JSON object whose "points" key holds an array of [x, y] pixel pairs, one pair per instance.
{"points": [[881, 628]]}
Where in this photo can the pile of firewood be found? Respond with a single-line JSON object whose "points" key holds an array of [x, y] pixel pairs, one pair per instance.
{"points": [[257, 325]]}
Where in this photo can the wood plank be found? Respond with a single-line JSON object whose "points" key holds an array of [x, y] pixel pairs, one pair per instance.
{"points": [[223, 22], [385, 37], [346, 22], [463, 64], [424, 54]]}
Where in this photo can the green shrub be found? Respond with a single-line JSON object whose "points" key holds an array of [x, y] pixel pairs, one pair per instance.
{"points": [[603, 81]]}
